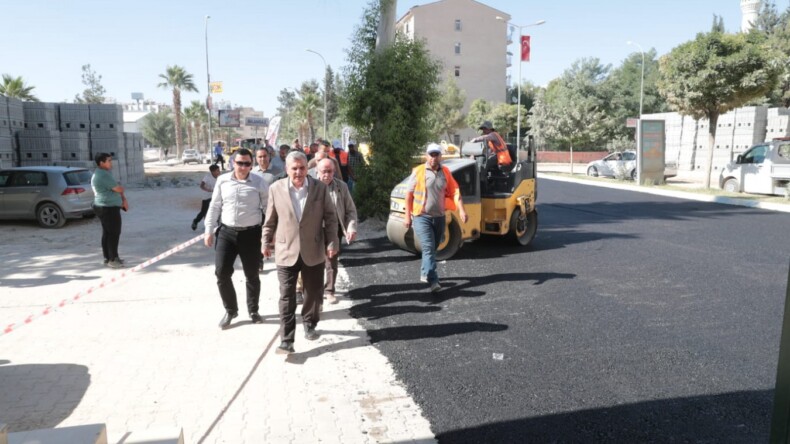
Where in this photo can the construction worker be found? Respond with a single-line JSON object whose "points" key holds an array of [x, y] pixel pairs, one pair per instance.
{"points": [[496, 145]]}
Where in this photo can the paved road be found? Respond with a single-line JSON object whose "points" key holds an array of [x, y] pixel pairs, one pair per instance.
{"points": [[632, 317]]}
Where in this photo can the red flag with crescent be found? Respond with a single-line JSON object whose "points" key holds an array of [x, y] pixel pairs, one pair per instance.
{"points": [[525, 48]]}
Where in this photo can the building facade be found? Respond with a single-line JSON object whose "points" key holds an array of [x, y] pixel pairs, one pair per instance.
{"points": [[470, 42]]}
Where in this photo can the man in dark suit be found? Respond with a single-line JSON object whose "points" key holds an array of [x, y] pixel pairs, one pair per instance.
{"points": [[302, 223]]}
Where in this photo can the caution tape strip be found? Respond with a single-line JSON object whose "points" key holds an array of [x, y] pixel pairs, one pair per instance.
{"points": [[53, 308]]}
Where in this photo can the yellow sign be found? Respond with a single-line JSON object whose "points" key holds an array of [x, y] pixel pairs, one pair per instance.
{"points": [[216, 87]]}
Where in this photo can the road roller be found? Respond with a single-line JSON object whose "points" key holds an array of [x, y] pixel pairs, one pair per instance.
{"points": [[498, 203]]}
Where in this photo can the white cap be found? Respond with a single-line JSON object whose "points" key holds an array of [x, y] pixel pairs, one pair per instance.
{"points": [[433, 148]]}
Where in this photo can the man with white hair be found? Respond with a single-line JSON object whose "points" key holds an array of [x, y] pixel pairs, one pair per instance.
{"points": [[346, 221], [301, 219]]}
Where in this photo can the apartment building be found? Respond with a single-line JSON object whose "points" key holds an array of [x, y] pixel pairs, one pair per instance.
{"points": [[471, 43]]}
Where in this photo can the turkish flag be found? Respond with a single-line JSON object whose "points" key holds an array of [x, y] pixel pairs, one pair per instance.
{"points": [[525, 48]]}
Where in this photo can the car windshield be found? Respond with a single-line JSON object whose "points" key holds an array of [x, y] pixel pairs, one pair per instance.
{"points": [[80, 177]]}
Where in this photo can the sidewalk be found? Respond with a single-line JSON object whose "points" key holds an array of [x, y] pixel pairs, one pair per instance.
{"points": [[145, 351]]}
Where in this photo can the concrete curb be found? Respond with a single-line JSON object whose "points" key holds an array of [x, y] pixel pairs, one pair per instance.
{"points": [[677, 194]]}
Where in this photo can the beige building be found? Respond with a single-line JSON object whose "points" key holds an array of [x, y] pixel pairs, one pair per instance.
{"points": [[470, 42]]}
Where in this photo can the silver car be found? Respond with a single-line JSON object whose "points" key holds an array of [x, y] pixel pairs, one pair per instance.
{"points": [[48, 194], [620, 165], [190, 156]]}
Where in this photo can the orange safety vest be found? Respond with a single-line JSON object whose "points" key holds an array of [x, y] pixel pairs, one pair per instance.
{"points": [[500, 149], [343, 157], [450, 191]]}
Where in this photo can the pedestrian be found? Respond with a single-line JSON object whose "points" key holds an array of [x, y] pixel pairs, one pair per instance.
{"points": [[346, 222], [234, 217], [341, 157], [301, 219], [497, 148], [218, 157], [207, 185], [356, 162], [324, 148], [278, 162], [430, 191], [108, 201], [265, 168]]}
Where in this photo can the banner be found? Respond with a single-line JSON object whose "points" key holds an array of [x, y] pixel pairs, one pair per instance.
{"points": [[216, 87], [346, 136], [256, 121], [274, 129], [525, 48], [229, 118]]}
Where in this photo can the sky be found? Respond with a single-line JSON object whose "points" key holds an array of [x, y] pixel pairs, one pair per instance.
{"points": [[257, 48]]}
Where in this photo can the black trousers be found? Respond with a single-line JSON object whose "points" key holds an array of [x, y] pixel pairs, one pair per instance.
{"points": [[246, 245], [313, 280], [110, 218], [203, 210]]}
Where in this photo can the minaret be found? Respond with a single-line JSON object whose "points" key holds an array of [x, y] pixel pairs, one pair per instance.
{"points": [[749, 11]]}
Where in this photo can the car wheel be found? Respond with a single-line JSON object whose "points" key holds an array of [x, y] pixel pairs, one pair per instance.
{"points": [[523, 229], [592, 171], [731, 185], [633, 174], [49, 215], [451, 242]]}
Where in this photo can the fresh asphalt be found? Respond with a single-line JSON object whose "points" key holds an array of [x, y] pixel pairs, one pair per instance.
{"points": [[630, 318]]}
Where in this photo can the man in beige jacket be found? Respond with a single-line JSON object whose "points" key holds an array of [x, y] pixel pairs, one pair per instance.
{"points": [[346, 220], [301, 221]]}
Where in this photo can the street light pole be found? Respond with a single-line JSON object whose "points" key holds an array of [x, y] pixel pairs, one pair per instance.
{"points": [[639, 124], [208, 89], [325, 85], [518, 110]]}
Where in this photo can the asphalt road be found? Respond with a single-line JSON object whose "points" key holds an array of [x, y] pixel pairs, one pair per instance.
{"points": [[630, 318]]}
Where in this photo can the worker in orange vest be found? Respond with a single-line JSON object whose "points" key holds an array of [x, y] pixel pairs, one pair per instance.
{"points": [[431, 190], [496, 145], [341, 156]]}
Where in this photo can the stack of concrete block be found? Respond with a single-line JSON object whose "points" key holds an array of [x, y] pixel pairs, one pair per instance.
{"points": [[106, 136], [75, 136], [39, 141], [673, 129], [778, 123], [750, 127], [686, 156], [134, 157], [7, 144]]}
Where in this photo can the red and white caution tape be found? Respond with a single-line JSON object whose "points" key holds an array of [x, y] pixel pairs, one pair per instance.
{"points": [[52, 308]]}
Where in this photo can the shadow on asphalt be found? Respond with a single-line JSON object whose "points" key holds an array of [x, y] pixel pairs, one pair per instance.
{"points": [[359, 338], [730, 417], [38, 396]]}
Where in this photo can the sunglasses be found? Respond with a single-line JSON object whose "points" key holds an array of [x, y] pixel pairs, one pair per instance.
{"points": [[434, 154], [244, 164]]}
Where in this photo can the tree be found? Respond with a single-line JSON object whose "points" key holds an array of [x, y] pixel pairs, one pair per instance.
{"points": [[389, 95], [158, 128], [331, 95], [479, 111], [504, 116], [94, 93], [776, 28], [15, 88], [177, 79], [196, 119], [446, 114], [714, 74], [305, 110]]}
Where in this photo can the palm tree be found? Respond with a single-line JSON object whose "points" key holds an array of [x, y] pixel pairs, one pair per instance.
{"points": [[306, 108], [177, 79], [195, 114], [16, 88]]}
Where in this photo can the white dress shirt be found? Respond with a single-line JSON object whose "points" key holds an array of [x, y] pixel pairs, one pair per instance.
{"points": [[298, 197], [237, 203]]}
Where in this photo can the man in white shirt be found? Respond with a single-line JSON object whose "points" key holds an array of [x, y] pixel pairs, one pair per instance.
{"points": [[234, 216], [207, 185]]}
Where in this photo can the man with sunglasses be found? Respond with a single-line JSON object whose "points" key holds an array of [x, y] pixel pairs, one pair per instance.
{"points": [[235, 217], [431, 190]]}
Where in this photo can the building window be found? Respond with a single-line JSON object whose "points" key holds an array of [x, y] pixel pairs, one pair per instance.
{"points": [[456, 139], [457, 24], [458, 71], [458, 48], [407, 27]]}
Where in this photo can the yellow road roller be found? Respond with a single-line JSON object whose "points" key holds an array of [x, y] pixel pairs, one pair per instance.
{"points": [[499, 203]]}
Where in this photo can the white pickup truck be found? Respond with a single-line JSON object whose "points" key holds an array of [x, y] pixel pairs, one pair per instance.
{"points": [[763, 169]]}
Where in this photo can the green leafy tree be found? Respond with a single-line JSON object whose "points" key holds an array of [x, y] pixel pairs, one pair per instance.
{"points": [[504, 116], [94, 91], [776, 28], [447, 113], [159, 128], [331, 95], [714, 74], [479, 111], [177, 79], [308, 107], [15, 88], [389, 96], [196, 120]]}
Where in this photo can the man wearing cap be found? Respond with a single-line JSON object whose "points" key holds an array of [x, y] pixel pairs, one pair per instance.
{"points": [[496, 145], [355, 162], [431, 190]]}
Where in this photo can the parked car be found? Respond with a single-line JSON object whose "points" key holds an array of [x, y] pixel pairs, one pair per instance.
{"points": [[762, 169], [619, 164], [48, 194], [191, 156]]}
